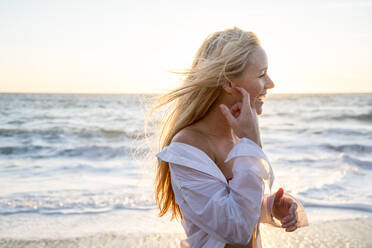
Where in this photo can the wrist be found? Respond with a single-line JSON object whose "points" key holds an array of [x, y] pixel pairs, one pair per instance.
{"points": [[254, 136]]}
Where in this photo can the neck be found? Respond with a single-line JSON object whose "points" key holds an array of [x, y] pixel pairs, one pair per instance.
{"points": [[215, 123]]}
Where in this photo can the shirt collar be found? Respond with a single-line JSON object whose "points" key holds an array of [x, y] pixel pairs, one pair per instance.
{"points": [[192, 157]]}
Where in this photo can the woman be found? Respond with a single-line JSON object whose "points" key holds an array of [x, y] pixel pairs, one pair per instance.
{"points": [[212, 170]]}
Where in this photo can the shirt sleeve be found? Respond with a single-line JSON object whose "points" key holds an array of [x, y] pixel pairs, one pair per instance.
{"points": [[228, 213], [266, 211], [268, 218], [250, 153]]}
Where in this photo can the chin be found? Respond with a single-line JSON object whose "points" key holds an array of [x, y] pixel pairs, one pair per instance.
{"points": [[258, 110], [258, 106]]}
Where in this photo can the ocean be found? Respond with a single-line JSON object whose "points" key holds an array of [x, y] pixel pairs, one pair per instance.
{"points": [[73, 165]]}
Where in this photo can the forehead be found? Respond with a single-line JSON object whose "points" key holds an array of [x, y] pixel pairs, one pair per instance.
{"points": [[257, 60]]}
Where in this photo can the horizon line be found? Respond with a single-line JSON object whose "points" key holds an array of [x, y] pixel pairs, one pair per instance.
{"points": [[162, 92]]}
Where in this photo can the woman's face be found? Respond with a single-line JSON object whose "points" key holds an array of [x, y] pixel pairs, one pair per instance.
{"points": [[255, 79]]}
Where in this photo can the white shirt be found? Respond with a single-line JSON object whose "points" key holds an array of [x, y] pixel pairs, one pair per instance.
{"points": [[217, 212]]}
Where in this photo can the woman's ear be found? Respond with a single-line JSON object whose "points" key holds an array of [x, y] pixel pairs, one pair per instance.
{"points": [[228, 87]]}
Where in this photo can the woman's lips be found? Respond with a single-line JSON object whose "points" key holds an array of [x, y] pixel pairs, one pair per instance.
{"points": [[261, 98]]}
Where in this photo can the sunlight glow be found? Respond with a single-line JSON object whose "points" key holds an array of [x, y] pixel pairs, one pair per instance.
{"points": [[114, 47]]}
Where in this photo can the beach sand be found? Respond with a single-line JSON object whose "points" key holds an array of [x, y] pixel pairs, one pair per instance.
{"points": [[336, 233]]}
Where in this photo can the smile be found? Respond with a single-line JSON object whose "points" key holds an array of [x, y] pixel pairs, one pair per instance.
{"points": [[261, 97]]}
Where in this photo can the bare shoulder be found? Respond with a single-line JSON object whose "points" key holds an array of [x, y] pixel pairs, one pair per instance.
{"points": [[193, 137]]}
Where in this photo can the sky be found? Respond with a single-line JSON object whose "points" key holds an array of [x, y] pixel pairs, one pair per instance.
{"points": [[76, 46]]}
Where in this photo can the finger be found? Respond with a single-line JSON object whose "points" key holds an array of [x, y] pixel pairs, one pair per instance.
{"points": [[236, 114], [291, 229], [278, 196], [229, 117], [290, 223], [288, 218], [293, 207], [235, 109], [245, 95]]}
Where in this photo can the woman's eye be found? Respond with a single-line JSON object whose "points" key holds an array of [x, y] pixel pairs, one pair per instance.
{"points": [[262, 75]]}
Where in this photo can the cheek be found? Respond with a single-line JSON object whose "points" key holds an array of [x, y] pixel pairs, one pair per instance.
{"points": [[255, 88]]}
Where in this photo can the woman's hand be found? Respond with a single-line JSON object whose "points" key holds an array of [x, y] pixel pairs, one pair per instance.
{"points": [[284, 209], [242, 118]]}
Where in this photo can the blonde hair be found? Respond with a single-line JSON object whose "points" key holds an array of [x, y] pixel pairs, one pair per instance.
{"points": [[222, 56]]}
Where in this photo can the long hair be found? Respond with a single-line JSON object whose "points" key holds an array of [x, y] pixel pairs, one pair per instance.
{"points": [[222, 56]]}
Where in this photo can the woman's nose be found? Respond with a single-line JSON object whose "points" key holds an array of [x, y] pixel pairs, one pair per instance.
{"points": [[269, 83]]}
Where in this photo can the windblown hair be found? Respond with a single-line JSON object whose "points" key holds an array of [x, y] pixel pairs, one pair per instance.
{"points": [[222, 56]]}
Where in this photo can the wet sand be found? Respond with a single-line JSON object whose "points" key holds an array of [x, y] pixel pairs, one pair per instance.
{"points": [[336, 233]]}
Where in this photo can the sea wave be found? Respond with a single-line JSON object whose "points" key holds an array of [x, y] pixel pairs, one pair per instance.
{"points": [[89, 152], [17, 150], [72, 203], [359, 117], [65, 170], [345, 206], [339, 131], [95, 151], [322, 191], [59, 132], [363, 164], [349, 148]]}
